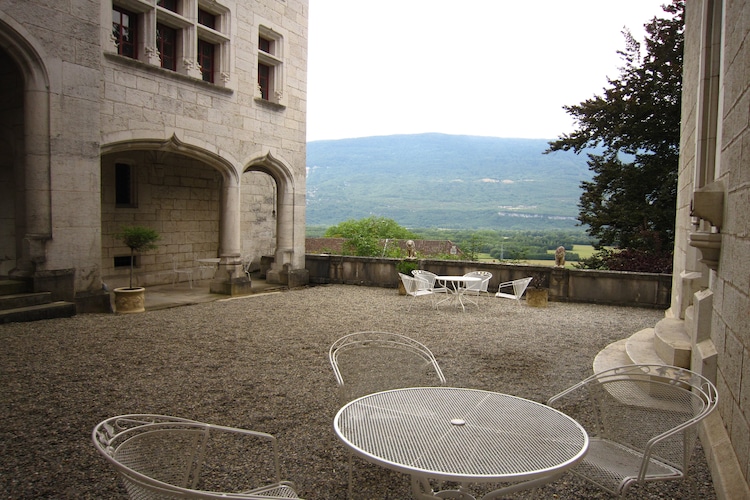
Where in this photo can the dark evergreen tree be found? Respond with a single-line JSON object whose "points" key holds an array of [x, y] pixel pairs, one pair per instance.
{"points": [[630, 201]]}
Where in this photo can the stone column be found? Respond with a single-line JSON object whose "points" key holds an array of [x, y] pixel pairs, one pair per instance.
{"points": [[230, 279], [38, 223]]}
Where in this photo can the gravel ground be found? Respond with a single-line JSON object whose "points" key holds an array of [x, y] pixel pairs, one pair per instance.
{"points": [[261, 363]]}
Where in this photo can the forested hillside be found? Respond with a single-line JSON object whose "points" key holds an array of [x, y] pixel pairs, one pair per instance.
{"points": [[444, 181]]}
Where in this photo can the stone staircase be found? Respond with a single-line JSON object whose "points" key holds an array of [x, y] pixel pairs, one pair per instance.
{"points": [[18, 303], [680, 342]]}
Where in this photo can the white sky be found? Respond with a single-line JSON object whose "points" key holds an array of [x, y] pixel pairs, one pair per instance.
{"points": [[500, 68]]}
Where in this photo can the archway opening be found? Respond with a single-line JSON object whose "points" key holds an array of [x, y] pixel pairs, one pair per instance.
{"points": [[12, 199]]}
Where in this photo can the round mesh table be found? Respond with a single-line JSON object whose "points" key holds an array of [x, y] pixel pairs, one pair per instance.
{"points": [[462, 435]]}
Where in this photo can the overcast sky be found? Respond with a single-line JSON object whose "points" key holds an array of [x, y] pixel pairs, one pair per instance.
{"points": [[497, 68]]}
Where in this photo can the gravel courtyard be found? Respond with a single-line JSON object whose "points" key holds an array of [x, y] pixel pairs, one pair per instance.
{"points": [[260, 362]]}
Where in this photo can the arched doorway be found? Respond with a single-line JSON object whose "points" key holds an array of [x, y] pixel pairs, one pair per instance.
{"points": [[279, 192], [183, 192], [25, 219]]}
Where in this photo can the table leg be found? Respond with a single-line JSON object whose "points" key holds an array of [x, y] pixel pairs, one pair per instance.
{"points": [[422, 490], [525, 485]]}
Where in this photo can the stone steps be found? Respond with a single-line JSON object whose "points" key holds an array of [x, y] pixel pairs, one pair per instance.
{"points": [[667, 343], [50, 310], [18, 303]]}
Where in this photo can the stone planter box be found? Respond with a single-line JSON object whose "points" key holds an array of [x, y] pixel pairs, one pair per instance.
{"points": [[130, 300]]}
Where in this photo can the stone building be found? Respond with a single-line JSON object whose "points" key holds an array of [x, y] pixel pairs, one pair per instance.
{"points": [[186, 116], [711, 280]]}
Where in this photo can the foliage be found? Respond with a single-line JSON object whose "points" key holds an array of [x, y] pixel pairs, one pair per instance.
{"points": [[363, 236], [539, 280], [138, 239], [406, 266], [633, 260], [631, 198], [473, 247]]}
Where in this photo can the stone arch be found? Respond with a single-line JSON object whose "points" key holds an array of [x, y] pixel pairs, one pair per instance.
{"points": [[289, 255], [223, 165], [34, 222], [219, 232]]}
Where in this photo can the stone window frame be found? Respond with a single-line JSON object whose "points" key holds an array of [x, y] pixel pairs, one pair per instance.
{"points": [[272, 57], [189, 32]]}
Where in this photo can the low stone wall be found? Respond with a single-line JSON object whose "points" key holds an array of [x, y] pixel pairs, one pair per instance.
{"points": [[565, 285]]}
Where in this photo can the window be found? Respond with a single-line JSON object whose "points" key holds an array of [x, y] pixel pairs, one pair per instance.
{"points": [[264, 80], [168, 4], [190, 37], [206, 19], [206, 60], [125, 32], [124, 186], [124, 261], [269, 65], [166, 44]]}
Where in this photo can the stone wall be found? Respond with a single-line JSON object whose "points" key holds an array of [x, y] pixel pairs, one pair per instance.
{"points": [[565, 285]]}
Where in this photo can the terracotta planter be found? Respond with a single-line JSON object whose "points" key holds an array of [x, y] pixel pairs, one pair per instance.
{"points": [[130, 300], [537, 297], [401, 288]]}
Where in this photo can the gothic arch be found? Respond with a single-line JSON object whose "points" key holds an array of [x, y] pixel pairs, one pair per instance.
{"points": [[175, 145], [36, 222], [289, 245]]}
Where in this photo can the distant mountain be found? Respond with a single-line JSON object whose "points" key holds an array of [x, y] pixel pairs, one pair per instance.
{"points": [[444, 181]]}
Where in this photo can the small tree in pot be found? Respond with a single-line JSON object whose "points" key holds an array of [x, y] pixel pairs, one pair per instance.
{"points": [[138, 239], [537, 294]]}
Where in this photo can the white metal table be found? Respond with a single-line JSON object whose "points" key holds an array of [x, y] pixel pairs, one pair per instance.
{"points": [[455, 290], [463, 435]]}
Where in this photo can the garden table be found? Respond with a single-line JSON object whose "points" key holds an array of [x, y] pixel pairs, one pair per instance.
{"points": [[463, 435]]}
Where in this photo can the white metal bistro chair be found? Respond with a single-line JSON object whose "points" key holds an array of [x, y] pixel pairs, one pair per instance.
{"points": [[160, 457], [518, 286], [368, 362], [416, 287], [476, 288], [641, 420], [177, 272], [430, 278]]}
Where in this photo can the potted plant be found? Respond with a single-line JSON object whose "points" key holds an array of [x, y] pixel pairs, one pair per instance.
{"points": [[139, 239], [405, 266], [537, 294]]}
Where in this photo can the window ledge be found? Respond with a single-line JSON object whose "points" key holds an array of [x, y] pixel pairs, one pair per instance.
{"points": [[271, 105], [157, 70]]}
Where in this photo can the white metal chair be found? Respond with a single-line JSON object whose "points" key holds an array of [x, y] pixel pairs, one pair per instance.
{"points": [[177, 272], [416, 287], [519, 286], [161, 457], [641, 420], [477, 287], [431, 278], [368, 362]]}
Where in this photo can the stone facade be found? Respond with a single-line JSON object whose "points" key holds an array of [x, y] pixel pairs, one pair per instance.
{"points": [[711, 282], [97, 135]]}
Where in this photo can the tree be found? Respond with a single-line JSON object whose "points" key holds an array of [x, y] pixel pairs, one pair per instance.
{"points": [[630, 201], [138, 239], [364, 235]]}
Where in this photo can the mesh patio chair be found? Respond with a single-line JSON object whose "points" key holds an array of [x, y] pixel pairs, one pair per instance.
{"points": [[177, 272], [368, 362], [416, 287], [641, 420], [518, 286], [431, 278], [159, 457]]}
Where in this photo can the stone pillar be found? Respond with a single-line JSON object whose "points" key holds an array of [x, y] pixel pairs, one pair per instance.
{"points": [[38, 222], [230, 279]]}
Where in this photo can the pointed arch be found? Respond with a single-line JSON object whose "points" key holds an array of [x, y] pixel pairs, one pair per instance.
{"points": [[36, 222], [174, 145]]}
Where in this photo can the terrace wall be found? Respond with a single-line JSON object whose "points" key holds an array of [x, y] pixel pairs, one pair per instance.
{"points": [[565, 285]]}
